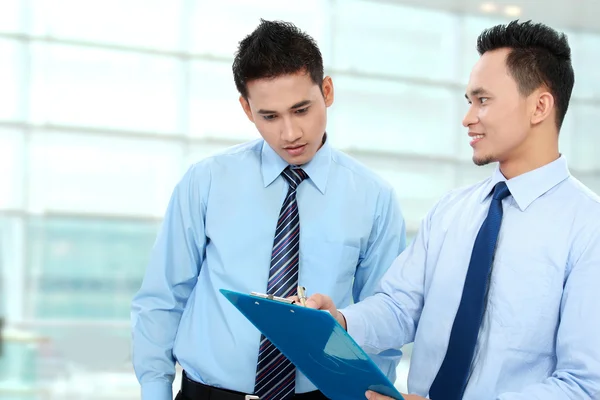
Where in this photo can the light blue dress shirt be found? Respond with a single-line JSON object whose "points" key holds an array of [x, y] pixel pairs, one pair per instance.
{"points": [[540, 336], [218, 233]]}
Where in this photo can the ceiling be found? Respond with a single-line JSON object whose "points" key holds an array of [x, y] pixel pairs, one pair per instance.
{"points": [[560, 14]]}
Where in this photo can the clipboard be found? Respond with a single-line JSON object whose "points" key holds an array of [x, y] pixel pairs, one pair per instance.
{"points": [[316, 344]]}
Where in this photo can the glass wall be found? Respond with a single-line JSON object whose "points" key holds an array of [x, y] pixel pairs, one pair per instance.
{"points": [[104, 105]]}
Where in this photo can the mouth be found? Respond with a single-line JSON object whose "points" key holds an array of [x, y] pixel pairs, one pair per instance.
{"points": [[475, 138], [295, 151]]}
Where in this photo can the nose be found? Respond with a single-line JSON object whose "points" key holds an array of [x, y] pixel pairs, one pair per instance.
{"points": [[470, 117], [290, 132]]}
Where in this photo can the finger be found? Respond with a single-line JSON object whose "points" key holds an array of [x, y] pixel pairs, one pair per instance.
{"points": [[316, 301], [376, 396]]}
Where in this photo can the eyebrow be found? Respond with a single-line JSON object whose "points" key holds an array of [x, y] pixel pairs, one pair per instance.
{"points": [[476, 92], [295, 106]]}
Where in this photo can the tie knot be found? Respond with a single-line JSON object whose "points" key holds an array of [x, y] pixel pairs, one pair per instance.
{"points": [[294, 176], [501, 191]]}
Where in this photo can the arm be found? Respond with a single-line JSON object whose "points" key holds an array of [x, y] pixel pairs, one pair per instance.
{"points": [[388, 320], [577, 374], [168, 282], [387, 240]]}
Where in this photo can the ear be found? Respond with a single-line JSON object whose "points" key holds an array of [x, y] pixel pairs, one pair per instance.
{"points": [[327, 88], [246, 108], [543, 107]]}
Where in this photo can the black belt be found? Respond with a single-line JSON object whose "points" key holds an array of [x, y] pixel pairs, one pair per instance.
{"points": [[193, 390]]}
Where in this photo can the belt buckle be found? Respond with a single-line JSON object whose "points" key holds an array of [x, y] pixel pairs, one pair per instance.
{"points": [[251, 397]]}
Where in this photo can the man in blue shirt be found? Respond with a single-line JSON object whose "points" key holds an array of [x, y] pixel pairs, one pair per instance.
{"points": [[500, 289], [264, 216]]}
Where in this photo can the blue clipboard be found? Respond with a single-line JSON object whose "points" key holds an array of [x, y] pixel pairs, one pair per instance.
{"points": [[317, 345]]}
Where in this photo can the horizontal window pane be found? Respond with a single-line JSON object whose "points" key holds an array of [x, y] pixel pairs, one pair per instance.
{"points": [[380, 38], [218, 26], [11, 91], [111, 89], [86, 268], [396, 117], [215, 110], [10, 16], [12, 155], [147, 23], [91, 174]]}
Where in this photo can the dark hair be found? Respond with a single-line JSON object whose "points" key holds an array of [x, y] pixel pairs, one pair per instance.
{"points": [[276, 48], [539, 56]]}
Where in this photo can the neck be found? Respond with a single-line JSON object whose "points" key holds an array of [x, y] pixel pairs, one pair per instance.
{"points": [[532, 155]]}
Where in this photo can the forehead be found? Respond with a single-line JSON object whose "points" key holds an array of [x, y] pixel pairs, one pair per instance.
{"points": [[284, 90], [490, 71]]}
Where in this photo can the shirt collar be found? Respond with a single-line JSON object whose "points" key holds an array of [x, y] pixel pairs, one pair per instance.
{"points": [[317, 169], [526, 188]]}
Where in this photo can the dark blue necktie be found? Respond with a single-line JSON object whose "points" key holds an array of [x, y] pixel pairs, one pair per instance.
{"points": [[275, 374], [452, 376]]}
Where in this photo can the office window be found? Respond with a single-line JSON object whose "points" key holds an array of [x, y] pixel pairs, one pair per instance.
{"points": [[86, 268], [109, 89], [145, 23], [390, 39], [11, 79], [10, 16], [12, 158], [394, 117], [215, 111], [102, 174], [218, 26]]}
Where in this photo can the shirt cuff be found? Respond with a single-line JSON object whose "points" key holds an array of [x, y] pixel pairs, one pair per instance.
{"points": [[159, 390], [355, 325]]}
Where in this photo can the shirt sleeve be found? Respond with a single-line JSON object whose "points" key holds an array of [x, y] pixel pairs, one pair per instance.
{"points": [[169, 279], [577, 373], [386, 242], [388, 319]]}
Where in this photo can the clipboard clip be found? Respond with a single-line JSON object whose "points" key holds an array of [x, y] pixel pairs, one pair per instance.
{"points": [[271, 297], [251, 397]]}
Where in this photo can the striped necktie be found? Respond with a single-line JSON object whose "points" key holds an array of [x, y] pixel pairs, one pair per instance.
{"points": [[275, 374], [453, 375]]}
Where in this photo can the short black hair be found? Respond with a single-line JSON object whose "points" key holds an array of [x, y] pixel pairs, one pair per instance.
{"points": [[276, 48], [539, 56]]}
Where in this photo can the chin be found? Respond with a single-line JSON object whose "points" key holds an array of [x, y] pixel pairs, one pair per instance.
{"points": [[485, 160]]}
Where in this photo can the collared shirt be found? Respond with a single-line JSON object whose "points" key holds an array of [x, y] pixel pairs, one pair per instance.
{"points": [[540, 336], [218, 233]]}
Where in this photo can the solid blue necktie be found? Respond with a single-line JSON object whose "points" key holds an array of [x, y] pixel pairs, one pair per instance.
{"points": [[452, 377], [275, 374]]}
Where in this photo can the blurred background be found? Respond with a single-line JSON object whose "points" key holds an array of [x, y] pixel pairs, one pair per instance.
{"points": [[105, 103]]}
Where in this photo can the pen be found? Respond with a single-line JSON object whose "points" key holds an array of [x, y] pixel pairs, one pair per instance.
{"points": [[302, 295]]}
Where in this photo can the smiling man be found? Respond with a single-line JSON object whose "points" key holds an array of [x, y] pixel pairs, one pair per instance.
{"points": [[265, 216], [499, 291]]}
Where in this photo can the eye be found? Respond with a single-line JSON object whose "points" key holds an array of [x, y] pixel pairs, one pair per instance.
{"points": [[302, 110], [269, 117], [483, 99]]}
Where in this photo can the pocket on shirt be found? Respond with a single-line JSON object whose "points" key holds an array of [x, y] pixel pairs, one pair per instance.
{"points": [[333, 261]]}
